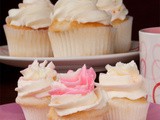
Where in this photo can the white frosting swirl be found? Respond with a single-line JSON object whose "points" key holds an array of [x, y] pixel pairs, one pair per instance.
{"points": [[34, 14], [82, 11], [115, 7], [68, 103], [123, 81], [36, 80]]}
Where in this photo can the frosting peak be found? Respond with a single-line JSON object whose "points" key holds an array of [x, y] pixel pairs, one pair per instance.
{"points": [[34, 14], [82, 11], [123, 80], [36, 80], [123, 69], [39, 71], [78, 82], [115, 7]]}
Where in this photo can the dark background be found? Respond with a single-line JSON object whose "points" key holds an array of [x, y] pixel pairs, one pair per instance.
{"points": [[146, 13]]}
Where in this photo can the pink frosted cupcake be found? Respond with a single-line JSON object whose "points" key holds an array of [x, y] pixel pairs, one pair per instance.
{"points": [[26, 29], [74, 97], [120, 21], [125, 88], [33, 88]]}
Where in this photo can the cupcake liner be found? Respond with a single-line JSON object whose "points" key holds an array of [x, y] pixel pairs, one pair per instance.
{"points": [[94, 114], [123, 109], [123, 36], [35, 113], [86, 41], [28, 43]]}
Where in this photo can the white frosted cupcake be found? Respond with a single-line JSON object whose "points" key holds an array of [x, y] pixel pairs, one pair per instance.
{"points": [[125, 88], [74, 97], [26, 29], [33, 88], [79, 28], [120, 21]]}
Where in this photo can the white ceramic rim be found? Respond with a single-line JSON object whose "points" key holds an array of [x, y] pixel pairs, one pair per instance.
{"points": [[144, 31]]}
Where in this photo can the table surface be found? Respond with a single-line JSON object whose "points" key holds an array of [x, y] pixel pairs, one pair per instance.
{"points": [[13, 111]]}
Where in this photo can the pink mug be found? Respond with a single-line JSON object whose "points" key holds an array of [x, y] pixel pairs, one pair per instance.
{"points": [[149, 39]]}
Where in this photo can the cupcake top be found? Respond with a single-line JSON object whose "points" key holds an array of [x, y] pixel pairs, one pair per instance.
{"points": [[36, 80], [115, 7], [75, 92], [34, 14], [81, 11], [123, 81]]}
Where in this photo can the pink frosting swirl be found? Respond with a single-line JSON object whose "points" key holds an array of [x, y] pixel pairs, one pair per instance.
{"points": [[78, 82]]}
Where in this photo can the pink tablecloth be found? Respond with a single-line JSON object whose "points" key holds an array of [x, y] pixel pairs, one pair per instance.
{"points": [[14, 112]]}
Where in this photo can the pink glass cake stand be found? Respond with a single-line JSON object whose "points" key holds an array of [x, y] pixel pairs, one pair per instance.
{"points": [[13, 111]]}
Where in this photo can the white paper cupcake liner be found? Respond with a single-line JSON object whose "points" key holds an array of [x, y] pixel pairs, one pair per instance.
{"points": [[33, 113], [83, 41], [94, 114], [123, 36], [28, 43], [122, 109]]}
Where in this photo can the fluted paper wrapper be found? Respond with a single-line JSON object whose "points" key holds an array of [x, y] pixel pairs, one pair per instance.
{"points": [[123, 36], [127, 110], [35, 113], [28, 43], [86, 41], [94, 114]]}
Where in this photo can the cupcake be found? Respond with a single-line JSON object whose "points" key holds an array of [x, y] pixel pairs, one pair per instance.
{"points": [[121, 21], [74, 97], [79, 28], [26, 29], [33, 88], [126, 90]]}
